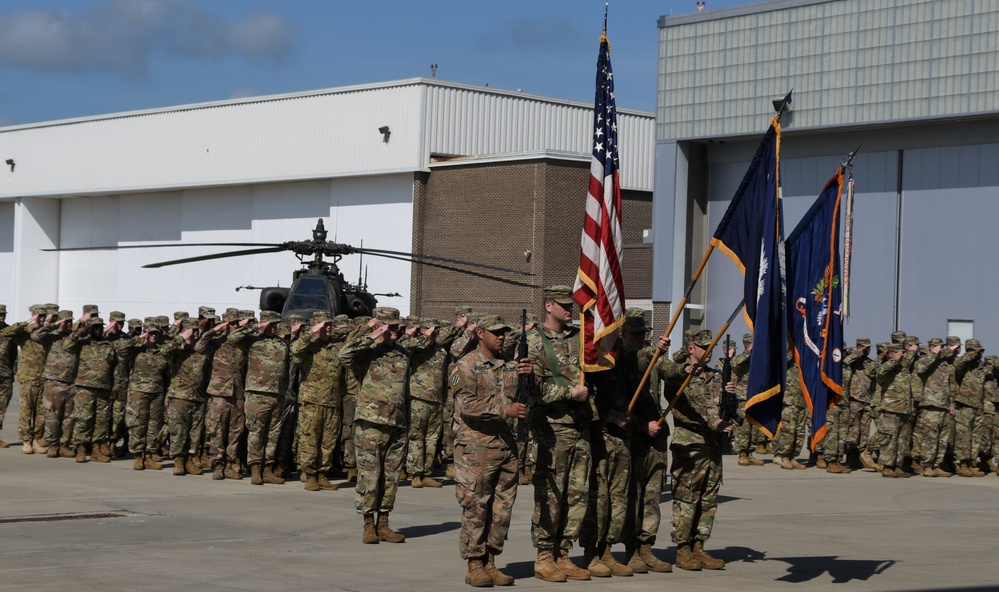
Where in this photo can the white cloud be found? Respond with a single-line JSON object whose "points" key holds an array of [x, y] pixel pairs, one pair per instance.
{"points": [[121, 35]]}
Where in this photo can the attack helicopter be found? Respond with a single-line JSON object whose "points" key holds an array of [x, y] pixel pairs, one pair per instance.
{"points": [[319, 286]]}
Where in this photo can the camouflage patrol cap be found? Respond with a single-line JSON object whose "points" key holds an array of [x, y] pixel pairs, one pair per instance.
{"points": [[429, 323], [247, 314], [560, 294], [163, 320], [910, 340], [934, 341], [893, 348], [973, 345], [96, 321], [386, 314], [702, 338], [3, 309], [206, 311], [747, 337], [134, 324], [189, 323], [38, 309], [413, 320], [462, 311], [181, 315], [319, 317], [533, 319], [882, 347], [65, 315], [269, 316], [634, 321], [341, 320], [117, 315], [992, 360], [297, 319], [897, 336], [150, 325], [863, 342], [51, 308], [688, 335], [283, 329], [91, 308], [953, 340], [492, 323], [230, 315]]}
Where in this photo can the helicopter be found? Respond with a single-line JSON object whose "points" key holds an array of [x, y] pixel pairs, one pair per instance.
{"points": [[319, 286]]}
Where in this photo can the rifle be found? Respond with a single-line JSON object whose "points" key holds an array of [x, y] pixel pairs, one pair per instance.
{"points": [[525, 382], [729, 405]]}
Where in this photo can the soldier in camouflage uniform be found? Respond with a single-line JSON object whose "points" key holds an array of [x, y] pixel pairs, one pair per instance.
{"points": [[147, 385], [320, 395], [186, 395], [912, 466], [8, 361], [60, 373], [743, 436], [969, 404], [510, 348], [224, 421], [426, 404], [352, 385], [459, 339], [31, 423], [92, 401], [935, 371], [791, 436], [990, 437], [267, 361], [837, 428], [117, 334], [697, 453], [485, 389], [380, 420], [560, 421], [857, 375], [874, 443], [895, 381]]}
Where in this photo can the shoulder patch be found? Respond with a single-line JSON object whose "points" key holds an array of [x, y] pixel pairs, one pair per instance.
{"points": [[457, 379]]}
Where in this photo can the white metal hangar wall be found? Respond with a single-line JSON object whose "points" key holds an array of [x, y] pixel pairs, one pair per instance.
{"points": [[913, 81], [261, 169]]}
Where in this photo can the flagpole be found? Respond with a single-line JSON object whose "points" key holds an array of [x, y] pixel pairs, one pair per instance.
{"points": [[701, 362], [672, 323]]}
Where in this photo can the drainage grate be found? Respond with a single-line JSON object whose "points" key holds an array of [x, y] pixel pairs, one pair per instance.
{"points": [[61, 517]]}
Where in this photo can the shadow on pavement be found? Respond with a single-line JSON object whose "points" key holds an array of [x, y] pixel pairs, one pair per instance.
{"points": [[415, 532], [803, 569]]}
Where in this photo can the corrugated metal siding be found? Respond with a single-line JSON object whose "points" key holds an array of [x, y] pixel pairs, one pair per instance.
{"points": [[849, 61], [468, 122]]}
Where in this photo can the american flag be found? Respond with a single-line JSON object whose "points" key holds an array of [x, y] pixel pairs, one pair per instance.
{"points": [[599, 289]]}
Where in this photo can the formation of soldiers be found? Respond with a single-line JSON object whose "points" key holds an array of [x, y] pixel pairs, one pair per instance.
{"points": [[385, 399]]}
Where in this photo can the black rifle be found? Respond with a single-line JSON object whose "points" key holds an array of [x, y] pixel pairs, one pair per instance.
{"points": [[729, 407], [525, 382]]}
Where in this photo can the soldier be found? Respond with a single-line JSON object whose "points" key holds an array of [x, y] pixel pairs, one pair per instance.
{"points": [[224, 413], [935, 371], [60, 373], [875, 442], [178, 321], [560, 421], [486, 411], [286, 451], [649, 443], [426, 403], [895, 378], [92, 402], [857, 376], [207, 320], [31, 423], [459, 343], [352, 383], [510, 348], [320, 395], [837, 428], [969, 404], [697, 453], [990, 437], [8, 361], [745, 435], [186, 394], [124, 344], [380, 420], [146, 387], [791, 436], [267, 360]]}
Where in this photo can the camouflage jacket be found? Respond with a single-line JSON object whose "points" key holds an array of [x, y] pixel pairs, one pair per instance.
{"points": [[124, 349], [150, 369], [193, 367], [551, 390], [856, 380], [427, 368], [228, 367], [483, 389], [970, 378], [935, 374], [463, 344], [8, 354], [794, 395], [696, 411], [633, 364], [64, 352], [740, 370], [33, 353], [322, 375], [98, 360], [267, 362], [895, 382], [383, 395]]}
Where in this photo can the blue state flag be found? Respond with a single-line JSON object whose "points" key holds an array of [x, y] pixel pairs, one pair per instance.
{"points": [[814, 304], [751, 234]]}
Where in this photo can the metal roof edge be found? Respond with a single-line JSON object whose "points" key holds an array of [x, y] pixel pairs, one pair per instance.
{"points": [[731, 11], [513, 156]]}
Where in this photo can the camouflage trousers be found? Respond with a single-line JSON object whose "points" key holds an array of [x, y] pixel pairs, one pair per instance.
{"points": [[648, 468], [447, 432], [746, 436], [318, 431], [197, 432], [6, 392], [347, 431], [31, 420], [915, 437], [424, 431], [143, 416], [696, 479], [117, 427], [791, 436], [92, 409], [610, 479], [837, 426], [967, 432], [932, 424], [876, 440], [224, 425], [486, 487], [380, 450], [180, 425], [263, 427], [58, 406], [894, 432], [562, 462], [859, 432], [988, 450]]}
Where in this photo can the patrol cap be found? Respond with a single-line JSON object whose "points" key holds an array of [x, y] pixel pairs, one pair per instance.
{"points": [[247, 314], [532, 319], [473, 317], [863, 342], [882, 347], [341, 320], [748, 338], [934, 341], [911, 340], [634, 321], [90, 308], [492, 323], [992, 360], [117, 315], [897, 336], [134, 324], [38, 309], [51, 308], [149, 325], [3, 309], [206, 311], [386, 314], [702, 338], [189, 323], [413, 321], [953, 340], [269, 316], [893, 348], [297, 319], [96, 321], [65, 315], [180, 315], [163, 320], [688, 335], [319, 317], [429, 323], [973, 345], [462, 311], [560, 294], [283, 329]]}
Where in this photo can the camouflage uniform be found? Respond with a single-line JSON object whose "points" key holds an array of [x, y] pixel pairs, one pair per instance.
{"points": [[969, 403], [267, 360], [791, 435], [485, 451], [94, 380], [874, 443], [895, 381], [320, 396], [459, 343], [186, 392], [352, 385], [31, 423], [857, 367], [8, 361], [745, 436], [426, 392], [146, 388], [837, 426], [990, 441], [59, 375], [935, 372], [124, 351], [224, 421]]}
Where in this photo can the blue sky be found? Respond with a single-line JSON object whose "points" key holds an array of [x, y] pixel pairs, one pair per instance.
{"points": [[70, 58]]}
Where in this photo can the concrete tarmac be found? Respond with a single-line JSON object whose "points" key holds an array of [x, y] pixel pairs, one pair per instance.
{"points": [[68, 526]]}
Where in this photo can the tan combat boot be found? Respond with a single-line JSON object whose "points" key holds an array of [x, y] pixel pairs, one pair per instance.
{"points": [[431, 482], [256, 475], [993, 467], [270, 477], [616, 567], [232, 471], [205, 459], [633, 560], [52, 452], [797, 465], [324, 483], [867, 461], [545, 568], [385, 532], [449, 471], [916, 467], [570, 569], [784, 463], [81, 453], [707, 561], [139, 463], [310, 482], [38, 445], [928, 472], [370, 536], [753, 461], [889, 472], [178, 466], [743, 459], [149, 463], [820, 463], [477, 576], [193, 465], [975, 471], [963, 470], [941, 473], [65, 452], [417, 482], [99, 453], [499, 578], [26, 448], [685, 558], [651, 561], [901, 474], [591, 559], [218, 472], [833, 467]]}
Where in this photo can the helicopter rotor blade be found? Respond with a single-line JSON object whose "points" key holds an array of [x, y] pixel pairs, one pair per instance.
{"points": [[416, 256], [464, 271], [276, 249], [161, 245]]}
